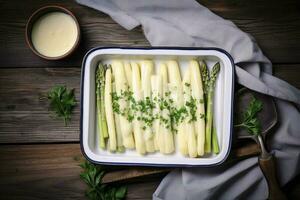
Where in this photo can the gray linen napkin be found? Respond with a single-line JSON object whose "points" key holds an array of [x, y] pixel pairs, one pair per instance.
{"points": [[187, 23]]}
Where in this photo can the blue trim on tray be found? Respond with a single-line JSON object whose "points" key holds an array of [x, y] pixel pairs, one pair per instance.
{"points": [[154, 48]]}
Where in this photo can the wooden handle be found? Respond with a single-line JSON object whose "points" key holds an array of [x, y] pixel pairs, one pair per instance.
{"points": [[251, 149], [268, 168]]}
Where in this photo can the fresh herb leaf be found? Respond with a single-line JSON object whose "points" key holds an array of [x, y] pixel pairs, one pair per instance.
{"points": [[121, 192], [249, 120], [62, 102], [92, 175]]}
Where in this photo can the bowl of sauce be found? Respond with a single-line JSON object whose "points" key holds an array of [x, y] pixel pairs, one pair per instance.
{"points": [[52, 32]]}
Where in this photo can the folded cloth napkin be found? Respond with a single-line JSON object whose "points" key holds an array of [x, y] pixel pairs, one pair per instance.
{"points": [[187, 23]]}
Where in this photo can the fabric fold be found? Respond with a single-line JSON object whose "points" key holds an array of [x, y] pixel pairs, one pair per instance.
{"points": [[110, 8]]}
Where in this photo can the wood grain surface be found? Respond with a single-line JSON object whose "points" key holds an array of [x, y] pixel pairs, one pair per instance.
{"points": [[275, 26], [24, 117], [37, 152], [51, 171]]}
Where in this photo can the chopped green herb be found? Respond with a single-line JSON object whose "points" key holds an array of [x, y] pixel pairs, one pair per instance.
{"points": [[202, 116], [192, 108], [142, 110], [187, 84]]}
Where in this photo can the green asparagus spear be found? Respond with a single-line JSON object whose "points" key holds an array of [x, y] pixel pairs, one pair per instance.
{"points": [[209, 106], [98, 102], [102, 89], [215, 143], [205, 77], [100, 79]]}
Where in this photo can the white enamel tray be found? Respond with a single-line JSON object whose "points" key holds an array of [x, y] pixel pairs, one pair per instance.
{"points": [[223, 106]]}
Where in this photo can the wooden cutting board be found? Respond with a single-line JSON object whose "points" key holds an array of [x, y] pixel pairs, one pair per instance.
{"points": [[133, 173]]}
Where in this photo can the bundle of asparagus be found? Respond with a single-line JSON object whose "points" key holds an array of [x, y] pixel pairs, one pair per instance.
{"points": [[137, 109]]}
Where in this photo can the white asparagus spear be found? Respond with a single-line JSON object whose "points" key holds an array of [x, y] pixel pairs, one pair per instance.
{"points": [[197, 93], [146, 72], [109, 111], [121, 86], [120, 146], [161, 128], [128, 73], [137, 95], [166, 139], [156, 95], [189, 125], [177, 96]]}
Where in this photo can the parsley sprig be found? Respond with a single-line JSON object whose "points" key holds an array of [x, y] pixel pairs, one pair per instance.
{"points": [[249, 118], [92, 175], [62, 102]]}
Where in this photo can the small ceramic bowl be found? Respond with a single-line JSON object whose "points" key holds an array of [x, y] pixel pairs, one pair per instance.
{"points": [[35, 16]]}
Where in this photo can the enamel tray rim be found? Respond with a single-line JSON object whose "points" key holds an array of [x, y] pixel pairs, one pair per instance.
{"points": [[83, 143]]}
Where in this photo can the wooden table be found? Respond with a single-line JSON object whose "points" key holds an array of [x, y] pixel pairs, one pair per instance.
{"points": [[37, 153]]}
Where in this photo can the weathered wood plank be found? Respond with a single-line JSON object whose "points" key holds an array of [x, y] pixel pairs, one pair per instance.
{"points": [[24, 118], [24, 89], [97, 30], [288, 72], [276, 27], [51, 172]]}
